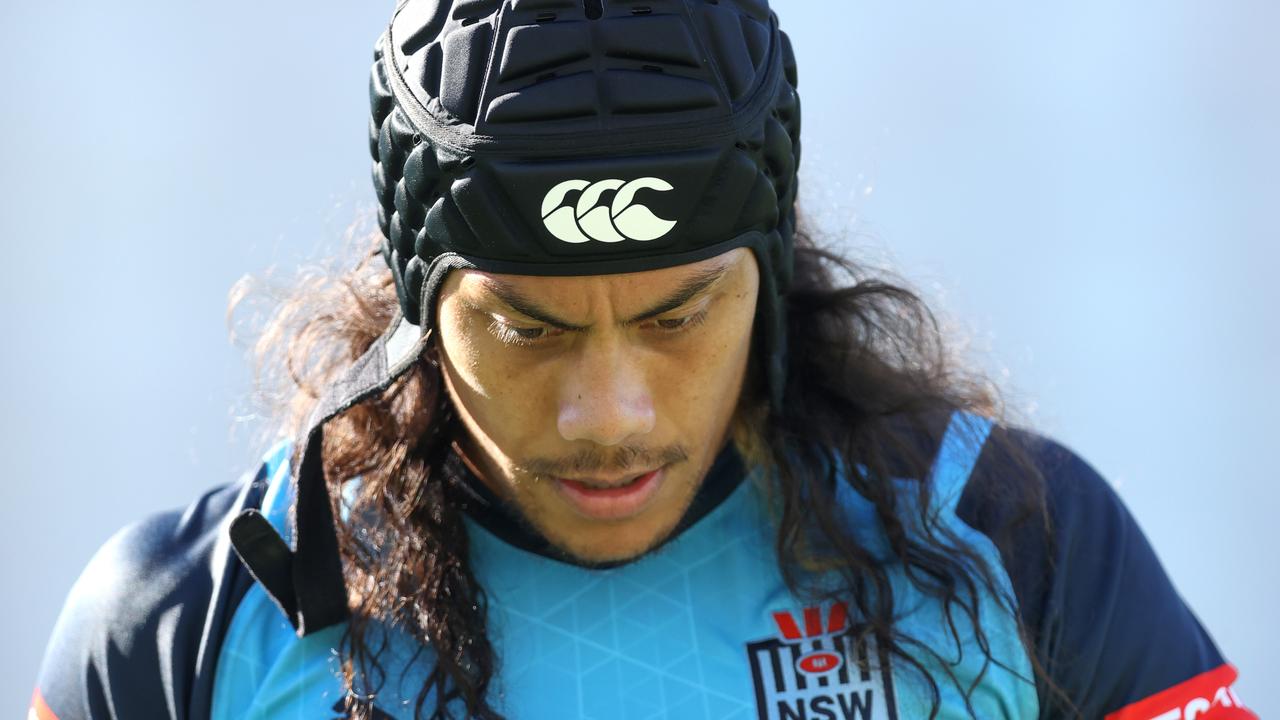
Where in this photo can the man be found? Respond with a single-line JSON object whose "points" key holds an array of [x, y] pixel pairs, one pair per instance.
{"points": [[615, 439]]}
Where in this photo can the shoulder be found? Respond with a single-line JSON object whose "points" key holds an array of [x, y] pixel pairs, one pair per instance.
{"points": [[1030, 488], [1104, 619], [1053, 517], [137, 634]]}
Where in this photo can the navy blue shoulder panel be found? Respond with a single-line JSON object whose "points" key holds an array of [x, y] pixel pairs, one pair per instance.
{"points": [[1105, 620], [140, 631]]}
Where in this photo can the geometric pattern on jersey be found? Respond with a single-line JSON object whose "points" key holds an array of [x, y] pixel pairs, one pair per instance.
{"points": [[686, 632]]}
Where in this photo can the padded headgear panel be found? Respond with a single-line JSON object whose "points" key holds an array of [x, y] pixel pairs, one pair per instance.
{"points": [[563, 137]]}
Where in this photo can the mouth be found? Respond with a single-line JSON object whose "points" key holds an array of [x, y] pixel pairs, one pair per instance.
{"points": [[611, 499]]}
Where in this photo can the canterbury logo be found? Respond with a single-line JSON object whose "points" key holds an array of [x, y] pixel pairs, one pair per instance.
{"points": [[620, 220]]}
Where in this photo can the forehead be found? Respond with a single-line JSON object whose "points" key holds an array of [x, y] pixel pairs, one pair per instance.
{"points": [[619, 288]]}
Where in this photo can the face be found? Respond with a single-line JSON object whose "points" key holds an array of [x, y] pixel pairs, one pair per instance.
{"points": [[597, 404]]}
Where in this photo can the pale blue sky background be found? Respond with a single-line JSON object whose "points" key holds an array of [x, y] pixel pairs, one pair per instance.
{"points": [[1089, 191]]}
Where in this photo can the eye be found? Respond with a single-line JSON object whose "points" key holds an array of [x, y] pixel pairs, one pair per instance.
{"points": [[528, 333], [678, 324], [521, 335]]}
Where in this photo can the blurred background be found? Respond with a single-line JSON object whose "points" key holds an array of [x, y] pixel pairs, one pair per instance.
{"points": [[1087, 193]]}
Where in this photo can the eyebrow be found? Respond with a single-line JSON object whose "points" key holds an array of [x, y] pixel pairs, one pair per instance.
{"points": [[689, 288]]}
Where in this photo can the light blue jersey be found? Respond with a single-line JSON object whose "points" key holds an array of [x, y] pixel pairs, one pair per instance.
{"points": [[702, 628]]}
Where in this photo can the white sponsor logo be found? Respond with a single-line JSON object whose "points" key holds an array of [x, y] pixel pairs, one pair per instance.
{"points": [[1225, 696], [621, 220]]}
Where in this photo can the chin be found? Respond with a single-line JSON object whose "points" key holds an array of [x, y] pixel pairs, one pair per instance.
{"points": [[606, 557], [613, 545]]}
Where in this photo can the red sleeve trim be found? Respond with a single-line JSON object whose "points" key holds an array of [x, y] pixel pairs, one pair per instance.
{"points": [[1207, 696], [39, 710]]}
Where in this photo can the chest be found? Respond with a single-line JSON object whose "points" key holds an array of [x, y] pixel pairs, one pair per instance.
{"points": [[695, 631], [704, 628]]}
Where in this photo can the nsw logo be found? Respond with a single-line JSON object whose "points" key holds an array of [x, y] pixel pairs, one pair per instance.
{"points": [[815, 670], [587, 219]]}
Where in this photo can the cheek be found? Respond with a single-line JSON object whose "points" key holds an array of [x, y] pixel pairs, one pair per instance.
{"points": [[494, 391], [704, 379]]}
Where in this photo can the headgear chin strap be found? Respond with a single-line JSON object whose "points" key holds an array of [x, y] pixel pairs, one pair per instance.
{"points": [[554, 137], [306, 582]]}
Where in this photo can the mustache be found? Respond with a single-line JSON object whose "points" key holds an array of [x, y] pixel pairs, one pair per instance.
{"points": [[593, 461]]}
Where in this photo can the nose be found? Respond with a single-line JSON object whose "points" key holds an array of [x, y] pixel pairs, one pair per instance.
{"points": [[605, 397]]}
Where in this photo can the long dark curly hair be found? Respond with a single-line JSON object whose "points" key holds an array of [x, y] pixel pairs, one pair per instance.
{"points": [[869, 375]]}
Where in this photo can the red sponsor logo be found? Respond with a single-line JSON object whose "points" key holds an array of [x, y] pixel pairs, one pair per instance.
{"points": [[39, 710], [837, 622], [1207, 696], [818, 663]]}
